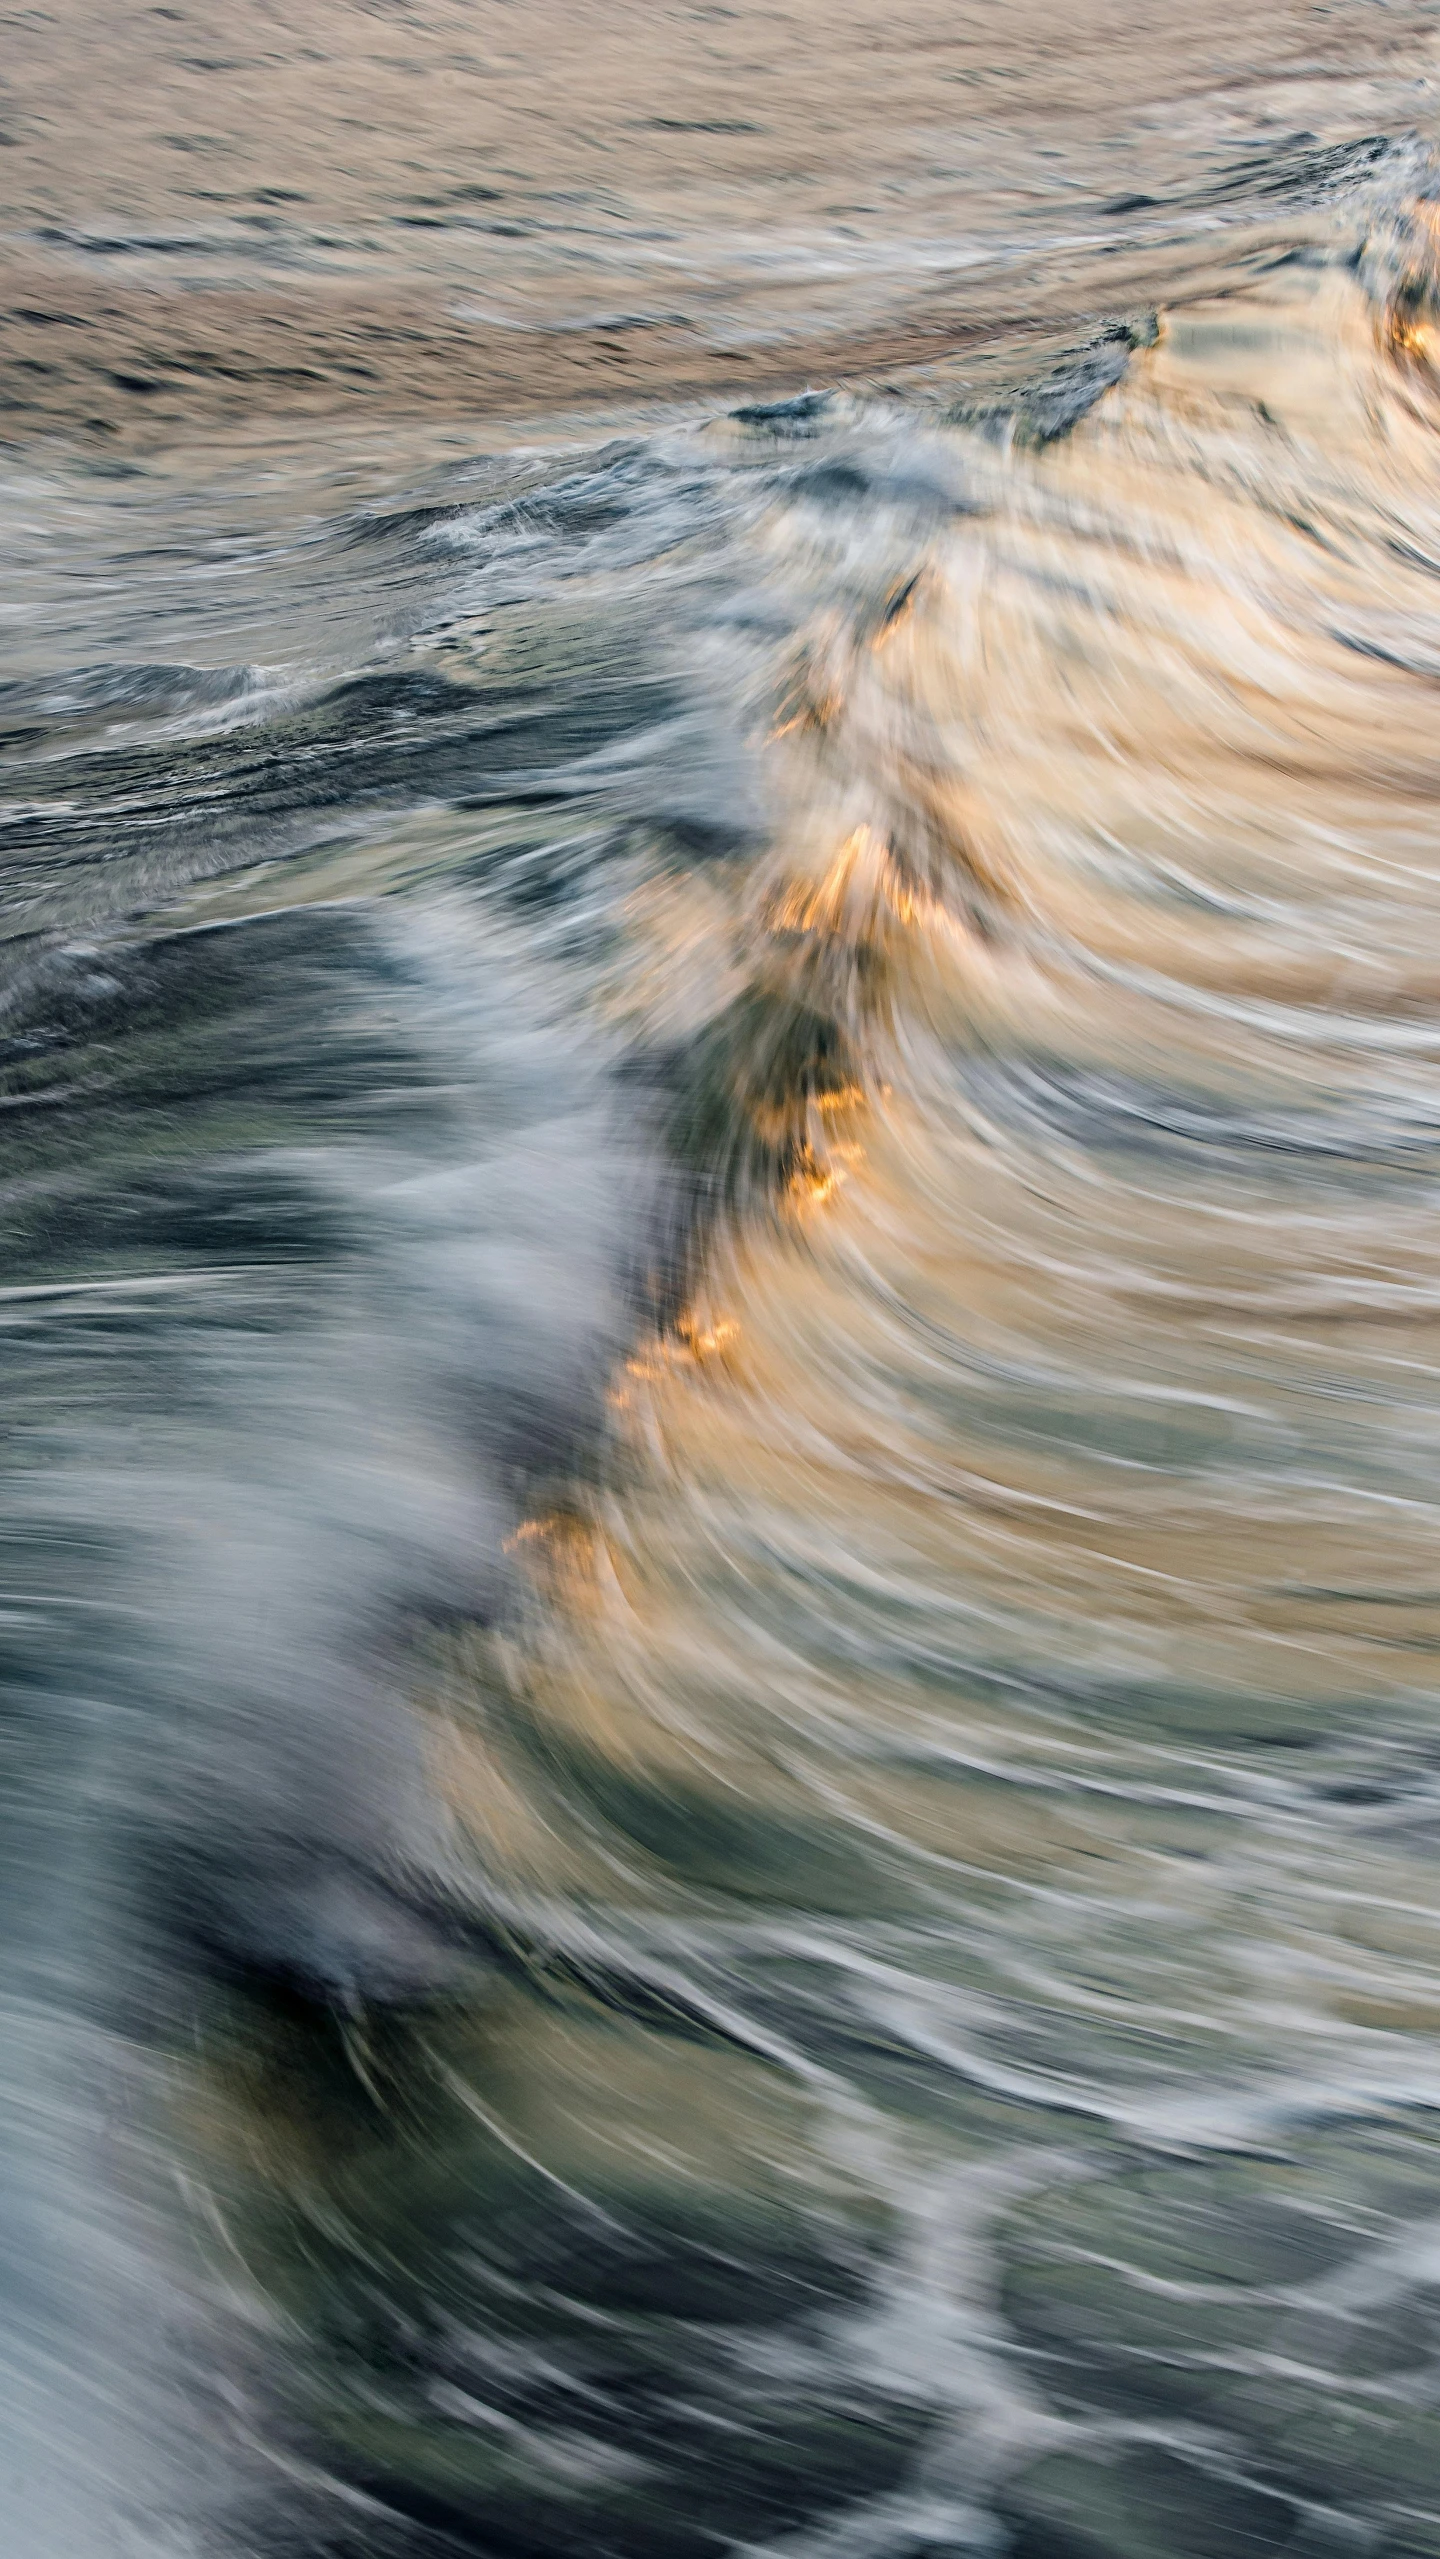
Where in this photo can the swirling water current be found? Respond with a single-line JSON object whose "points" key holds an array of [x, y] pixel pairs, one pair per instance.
{"points": [[720, 1377]]}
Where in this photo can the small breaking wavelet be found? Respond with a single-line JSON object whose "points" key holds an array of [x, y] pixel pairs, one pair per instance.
{"points": [[797, 1694]]}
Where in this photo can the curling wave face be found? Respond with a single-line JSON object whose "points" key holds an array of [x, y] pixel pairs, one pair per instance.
{"points": [[741, 1577]]}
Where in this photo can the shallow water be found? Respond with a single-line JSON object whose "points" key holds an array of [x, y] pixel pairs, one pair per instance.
{"points": [[719, 1165]]}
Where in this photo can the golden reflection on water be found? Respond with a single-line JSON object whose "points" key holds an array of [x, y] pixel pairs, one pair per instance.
{"points": [[1129, 1403]]}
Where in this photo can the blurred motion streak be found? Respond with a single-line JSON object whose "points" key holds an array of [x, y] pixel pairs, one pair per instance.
{"points": [[719, 1135]]}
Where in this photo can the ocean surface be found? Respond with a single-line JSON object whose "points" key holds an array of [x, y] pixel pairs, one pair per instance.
{"points": [[720, 1383]]}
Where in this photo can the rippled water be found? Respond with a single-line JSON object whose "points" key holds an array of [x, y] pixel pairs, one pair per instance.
{"points": [[720, 1378]]}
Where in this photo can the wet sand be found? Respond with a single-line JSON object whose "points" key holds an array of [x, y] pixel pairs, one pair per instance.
{"points": [[217, 215]]}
